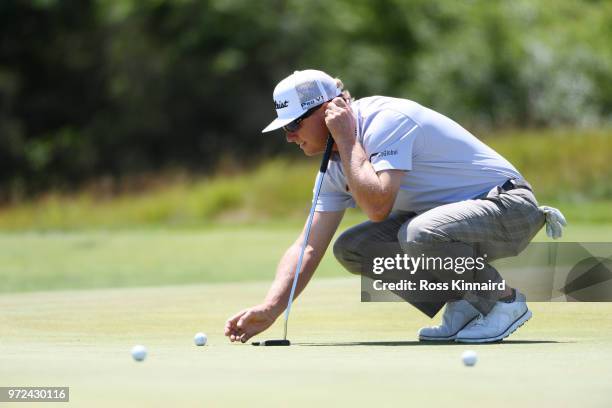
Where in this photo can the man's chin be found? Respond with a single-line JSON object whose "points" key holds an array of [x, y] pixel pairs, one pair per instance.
{"points": [[311, 153]]}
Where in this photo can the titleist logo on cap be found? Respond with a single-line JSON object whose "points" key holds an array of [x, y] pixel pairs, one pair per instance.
{"points": [[281, 105]]}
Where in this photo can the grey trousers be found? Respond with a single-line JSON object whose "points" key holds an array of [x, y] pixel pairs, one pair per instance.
{"points": [[499, 224]]}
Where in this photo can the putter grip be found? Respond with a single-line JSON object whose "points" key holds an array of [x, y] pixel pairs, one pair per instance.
{"points": [[327, 154]]}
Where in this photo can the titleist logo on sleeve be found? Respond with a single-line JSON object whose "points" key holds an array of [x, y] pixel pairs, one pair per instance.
{"points": [[384, 153]]}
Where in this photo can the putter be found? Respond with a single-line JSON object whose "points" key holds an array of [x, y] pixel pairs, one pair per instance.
{"points": [[298, 267]]}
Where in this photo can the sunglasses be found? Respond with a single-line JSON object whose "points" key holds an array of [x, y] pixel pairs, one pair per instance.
{"points": [[295, 125]]}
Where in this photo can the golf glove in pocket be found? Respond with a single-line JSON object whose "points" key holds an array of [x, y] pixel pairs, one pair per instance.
{"points": [[555, 221]]}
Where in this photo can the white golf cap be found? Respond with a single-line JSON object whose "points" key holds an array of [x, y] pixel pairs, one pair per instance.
{"points": [[300, 91]]}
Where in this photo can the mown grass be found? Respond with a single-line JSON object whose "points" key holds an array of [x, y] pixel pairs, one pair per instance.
{"points": [[34, 261], [568, 169], [343, 354]]}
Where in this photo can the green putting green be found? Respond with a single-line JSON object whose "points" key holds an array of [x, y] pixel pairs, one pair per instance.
{"points": [[343, 352], [73, 304]]}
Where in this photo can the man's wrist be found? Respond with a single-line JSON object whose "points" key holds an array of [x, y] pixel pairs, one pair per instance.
{"points": [[345, 147], [344, 140], [273, 308]]}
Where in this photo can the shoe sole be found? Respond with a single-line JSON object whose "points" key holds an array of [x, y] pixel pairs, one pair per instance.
{"points": [[511, 329], [452, 337]]}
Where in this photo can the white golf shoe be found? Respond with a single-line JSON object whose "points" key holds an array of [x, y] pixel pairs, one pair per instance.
{"points": [[501, 321], [457, 315]]}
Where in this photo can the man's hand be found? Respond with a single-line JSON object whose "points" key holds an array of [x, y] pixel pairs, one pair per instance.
{"points": [[252, 321], [340, 121], [249, 322]]}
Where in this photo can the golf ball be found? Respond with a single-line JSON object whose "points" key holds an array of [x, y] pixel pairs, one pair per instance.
{"points": [[139, 352], [200, 339], [469, 358]]}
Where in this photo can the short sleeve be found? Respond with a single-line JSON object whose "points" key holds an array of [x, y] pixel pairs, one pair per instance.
{"points": [[334, 195], [389, 140]]}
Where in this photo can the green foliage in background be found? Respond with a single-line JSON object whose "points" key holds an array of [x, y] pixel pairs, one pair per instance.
{"points": [[111, 88], [571, 170]]}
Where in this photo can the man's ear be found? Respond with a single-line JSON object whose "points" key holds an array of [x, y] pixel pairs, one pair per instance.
{"points": [[322, 108]]}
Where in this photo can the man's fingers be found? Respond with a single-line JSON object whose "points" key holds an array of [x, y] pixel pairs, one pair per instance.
{"points": [[231, 322], [242, 337], [243, 319], [244, 325], [237, 316], [230, 325], [232, 330], [338, 101]]}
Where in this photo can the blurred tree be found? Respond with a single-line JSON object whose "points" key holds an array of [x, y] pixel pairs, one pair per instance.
{"points": [[51, 86], [92, 87]]}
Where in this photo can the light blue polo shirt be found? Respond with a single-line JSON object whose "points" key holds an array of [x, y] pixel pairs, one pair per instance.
{"points": [[444, 163]]}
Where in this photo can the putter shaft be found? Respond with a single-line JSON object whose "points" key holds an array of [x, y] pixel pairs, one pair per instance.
{"points": [[318, 184]]}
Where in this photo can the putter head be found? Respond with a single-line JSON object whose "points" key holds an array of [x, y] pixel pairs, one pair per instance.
{"points": [[272, 343]]}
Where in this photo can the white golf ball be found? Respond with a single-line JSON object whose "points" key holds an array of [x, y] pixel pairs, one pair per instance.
{"points": [[200, 339], [469, 358], [139, 352]]}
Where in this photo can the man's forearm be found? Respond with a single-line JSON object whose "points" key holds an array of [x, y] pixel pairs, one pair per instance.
{"points": [[278, 295]]}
